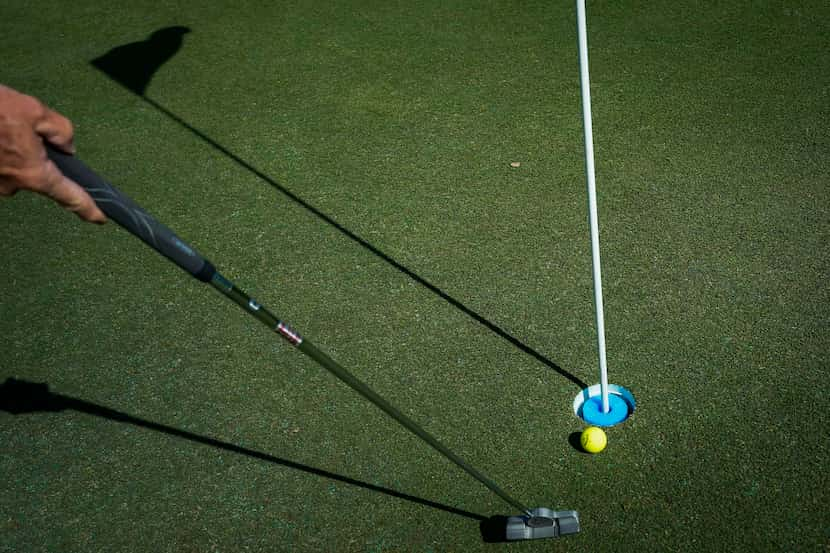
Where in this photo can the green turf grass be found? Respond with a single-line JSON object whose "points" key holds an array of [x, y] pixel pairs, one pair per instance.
{"points": [[398, 122]]}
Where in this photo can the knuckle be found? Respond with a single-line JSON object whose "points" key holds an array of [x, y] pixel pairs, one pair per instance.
{"points": [[33, 107], [33, 177], [7, 189]]}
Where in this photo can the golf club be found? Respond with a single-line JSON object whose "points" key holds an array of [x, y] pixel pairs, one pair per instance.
{"points": [[530, 524]]}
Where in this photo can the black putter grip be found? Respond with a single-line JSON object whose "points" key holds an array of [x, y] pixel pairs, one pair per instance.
{"points": [[132, 217]]}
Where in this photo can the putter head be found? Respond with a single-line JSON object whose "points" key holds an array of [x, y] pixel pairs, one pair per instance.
{"points": [[545, 523]]}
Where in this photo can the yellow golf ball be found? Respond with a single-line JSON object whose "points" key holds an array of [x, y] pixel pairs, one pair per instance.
{"points": [[593, 439]]}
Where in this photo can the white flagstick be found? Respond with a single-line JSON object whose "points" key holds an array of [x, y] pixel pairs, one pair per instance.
{"points": [[592, 196]]}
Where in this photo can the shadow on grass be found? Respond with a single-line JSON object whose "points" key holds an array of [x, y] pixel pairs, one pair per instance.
{"points": [[20, 397], [494, 529], [133, 66], [575, 440]]}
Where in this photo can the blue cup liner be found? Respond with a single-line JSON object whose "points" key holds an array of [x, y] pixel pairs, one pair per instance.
{"points": [[588, 405]]}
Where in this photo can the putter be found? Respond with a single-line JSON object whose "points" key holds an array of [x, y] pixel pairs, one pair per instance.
{"points": [[531, 524]]}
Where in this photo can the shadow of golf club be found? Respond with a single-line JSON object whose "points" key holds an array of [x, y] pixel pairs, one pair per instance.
{"points": [[20, 397], [133, 66]]}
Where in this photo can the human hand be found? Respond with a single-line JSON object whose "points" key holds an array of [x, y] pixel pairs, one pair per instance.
{"points": [[24, 124]]}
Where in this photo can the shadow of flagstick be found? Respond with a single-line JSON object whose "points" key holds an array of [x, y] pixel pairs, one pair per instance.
{"points": [[20, 397], [133, 66], [371, 248]]}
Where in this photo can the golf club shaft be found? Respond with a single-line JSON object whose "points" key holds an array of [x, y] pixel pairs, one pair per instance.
{"points": [[582, 34], [273, 323], [141, 224]]}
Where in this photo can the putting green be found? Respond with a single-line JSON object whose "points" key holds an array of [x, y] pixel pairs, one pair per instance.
{"points": [[355, 169]]}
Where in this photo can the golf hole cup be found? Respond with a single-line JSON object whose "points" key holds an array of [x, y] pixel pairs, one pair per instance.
{"points": [[588, 405]]}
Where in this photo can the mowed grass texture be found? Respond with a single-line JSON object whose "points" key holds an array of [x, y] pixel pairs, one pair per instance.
{"points": [[391, 230]]}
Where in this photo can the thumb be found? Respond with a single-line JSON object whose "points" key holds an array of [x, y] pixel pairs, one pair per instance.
{"points": [[56, 129]]}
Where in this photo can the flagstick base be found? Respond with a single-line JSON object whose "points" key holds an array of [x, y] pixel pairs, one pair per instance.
{"points": [[588, 405]]}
